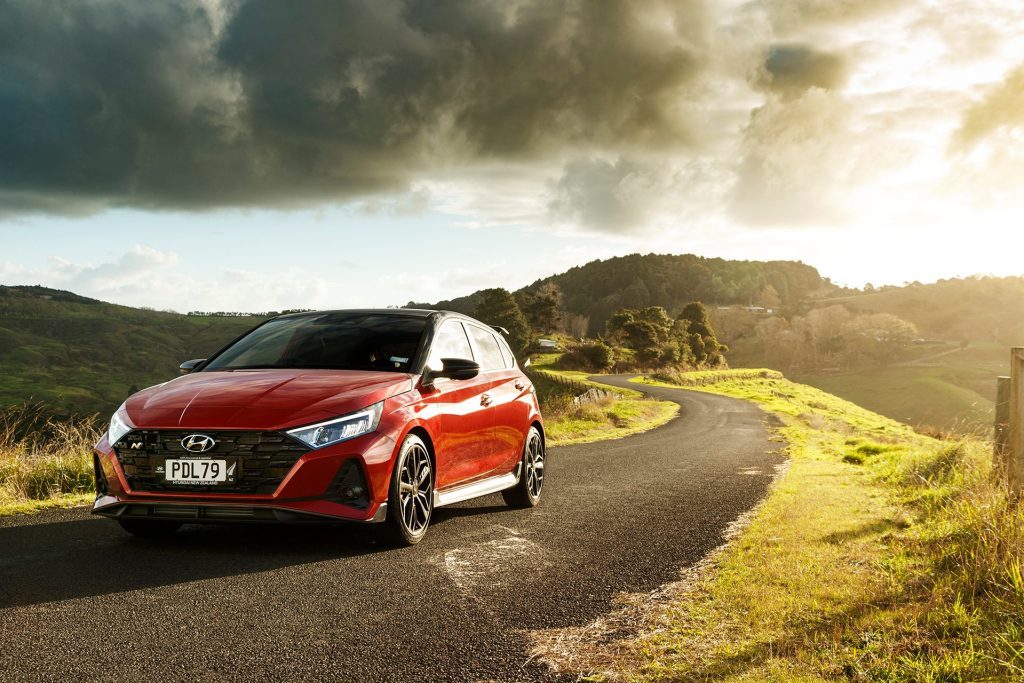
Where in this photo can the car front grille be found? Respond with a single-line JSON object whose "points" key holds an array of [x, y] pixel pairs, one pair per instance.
{"points": [[257, 461]]}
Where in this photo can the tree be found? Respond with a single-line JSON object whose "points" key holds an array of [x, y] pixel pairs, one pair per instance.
{"points": [[576, 325], [880, 337], [618, 321], [542, 307], [706, 348], [499, 308], [652, 334]]}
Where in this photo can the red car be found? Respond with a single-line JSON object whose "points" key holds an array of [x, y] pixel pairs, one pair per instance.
{"points": [[375, 416]]}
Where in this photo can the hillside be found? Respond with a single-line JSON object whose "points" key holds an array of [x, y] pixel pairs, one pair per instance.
{"points": [[945, 380], [974, 309], [84, 355], [81, 355], [594, 291]]}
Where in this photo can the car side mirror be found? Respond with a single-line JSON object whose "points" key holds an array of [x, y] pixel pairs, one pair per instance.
{"points": [[190, 365], [453, 368]]}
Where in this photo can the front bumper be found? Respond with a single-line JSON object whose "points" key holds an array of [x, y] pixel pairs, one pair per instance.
{"points": [[219, 513], [308, 493]]}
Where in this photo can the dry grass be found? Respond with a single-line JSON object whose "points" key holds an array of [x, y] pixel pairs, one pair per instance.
{"points": [[44, 462]]}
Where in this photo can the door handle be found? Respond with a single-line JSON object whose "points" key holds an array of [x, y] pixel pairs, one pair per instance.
{"points": [[485, 400], [519, 386]]}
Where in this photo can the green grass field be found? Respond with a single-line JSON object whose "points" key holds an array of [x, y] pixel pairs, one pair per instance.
{"points": [[952, 392]]}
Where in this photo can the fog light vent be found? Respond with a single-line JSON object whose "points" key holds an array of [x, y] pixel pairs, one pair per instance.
{"points": [[349, 486]]}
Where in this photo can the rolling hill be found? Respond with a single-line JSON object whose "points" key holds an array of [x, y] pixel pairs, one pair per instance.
{"points": [[975, 309], [596, 290], [83, 355], [80, 355], [950, 382]]}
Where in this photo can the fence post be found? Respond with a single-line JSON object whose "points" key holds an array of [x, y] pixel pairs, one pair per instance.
{"points": [[1002, 424], [1015, 441]]}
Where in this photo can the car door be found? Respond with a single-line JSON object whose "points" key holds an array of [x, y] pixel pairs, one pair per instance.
{"points": [[501, 397], [513, 408], [464, 426]]}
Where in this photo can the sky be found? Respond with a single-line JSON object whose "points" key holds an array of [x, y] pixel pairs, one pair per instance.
{"points": [[257, 155]]}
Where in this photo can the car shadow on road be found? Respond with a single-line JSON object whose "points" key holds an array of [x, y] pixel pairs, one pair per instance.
{"points": [[62, 560], [442, 515], [86, 557]]}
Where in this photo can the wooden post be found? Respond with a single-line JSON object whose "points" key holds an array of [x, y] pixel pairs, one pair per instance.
{"points": [[1015, 442], [1002, 424]]}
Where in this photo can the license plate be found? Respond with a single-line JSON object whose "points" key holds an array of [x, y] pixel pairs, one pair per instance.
{"points": [[196, 471]]}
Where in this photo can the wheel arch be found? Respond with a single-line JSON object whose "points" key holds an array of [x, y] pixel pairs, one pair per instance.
{"points": [[421, 431], [540, 428]]}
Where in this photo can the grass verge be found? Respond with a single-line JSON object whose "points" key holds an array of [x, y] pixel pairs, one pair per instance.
{"points": [[881, 555], [623, 414], [44, 463]]}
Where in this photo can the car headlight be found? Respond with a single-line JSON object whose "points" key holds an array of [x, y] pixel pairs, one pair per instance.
{"points": [[340, 428], [119, 426]]}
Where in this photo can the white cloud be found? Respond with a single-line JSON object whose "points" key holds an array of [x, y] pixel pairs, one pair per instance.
{"points": [[144, 276]]}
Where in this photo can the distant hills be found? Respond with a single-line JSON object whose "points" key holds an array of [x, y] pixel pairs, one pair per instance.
{"points": [[83, 356], [596, 290], [973, 309]]}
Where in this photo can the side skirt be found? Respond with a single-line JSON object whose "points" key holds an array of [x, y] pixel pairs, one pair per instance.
{"points": [[477, 488]]}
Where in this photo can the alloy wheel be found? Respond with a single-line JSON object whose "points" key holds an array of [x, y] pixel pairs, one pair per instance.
{"points": [[535, 465], [415, 489]]}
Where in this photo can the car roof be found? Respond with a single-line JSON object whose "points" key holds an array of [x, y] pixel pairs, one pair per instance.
{"points": [[397, 312]]}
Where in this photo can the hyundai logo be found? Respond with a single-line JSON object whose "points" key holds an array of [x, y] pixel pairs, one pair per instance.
{"points": [[198, 443]]}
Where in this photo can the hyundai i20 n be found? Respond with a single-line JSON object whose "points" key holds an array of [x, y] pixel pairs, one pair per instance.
{"points": [[375, 416]]}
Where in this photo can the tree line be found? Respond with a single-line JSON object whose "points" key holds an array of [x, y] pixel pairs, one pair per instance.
{"points": [[588, 295], [634, 338], [829, 337]]}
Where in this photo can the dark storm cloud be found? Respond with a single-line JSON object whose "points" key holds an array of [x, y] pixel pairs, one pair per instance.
{"points": [[199, 104], [792, 69]]}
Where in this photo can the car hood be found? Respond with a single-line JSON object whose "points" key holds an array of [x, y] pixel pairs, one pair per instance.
{"points": [[260, 399]]}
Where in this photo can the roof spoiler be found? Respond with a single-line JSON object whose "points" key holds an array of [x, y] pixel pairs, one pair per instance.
{"points": [[501, 329]]}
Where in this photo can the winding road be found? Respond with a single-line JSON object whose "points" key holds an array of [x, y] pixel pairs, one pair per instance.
{"points": [[82, 600]]}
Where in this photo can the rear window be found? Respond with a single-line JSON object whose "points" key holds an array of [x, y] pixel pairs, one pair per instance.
{"points": [[506, 352], [331, 341]]}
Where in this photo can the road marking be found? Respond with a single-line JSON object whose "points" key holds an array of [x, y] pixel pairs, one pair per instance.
{"points": [[491, 563]]}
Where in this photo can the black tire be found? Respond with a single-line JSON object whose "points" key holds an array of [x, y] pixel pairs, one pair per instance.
{"points": [[149, 528], [526, 494], [410, 496]]}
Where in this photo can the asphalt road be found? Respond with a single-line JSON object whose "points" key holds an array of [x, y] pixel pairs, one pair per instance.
{"points": [[82, 600]]}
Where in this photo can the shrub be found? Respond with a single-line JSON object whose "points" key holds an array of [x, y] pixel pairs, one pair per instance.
{"points": [[588, 356]]}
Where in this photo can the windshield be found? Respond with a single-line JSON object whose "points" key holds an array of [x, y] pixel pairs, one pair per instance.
{"points": [[332, 341]]}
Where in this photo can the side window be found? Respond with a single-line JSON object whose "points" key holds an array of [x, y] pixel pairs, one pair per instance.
{"points": [[487, 345], [450, 342]]}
